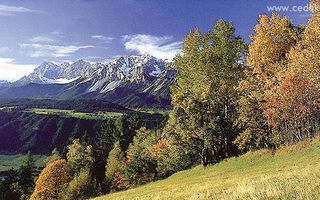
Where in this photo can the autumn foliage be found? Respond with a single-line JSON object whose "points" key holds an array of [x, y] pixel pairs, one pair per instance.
{"points": [[52, 181], [229, 97]]}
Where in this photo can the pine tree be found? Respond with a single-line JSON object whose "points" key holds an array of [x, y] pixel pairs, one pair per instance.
{"points": [[6, 187], [125, 133], [104, 143], [85, 139], [26, 176]]}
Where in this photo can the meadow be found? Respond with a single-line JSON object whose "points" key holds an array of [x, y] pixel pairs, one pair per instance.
{"points": [[15, 161], [292, 172], [8, 162], [153, 111], [74, 114]]}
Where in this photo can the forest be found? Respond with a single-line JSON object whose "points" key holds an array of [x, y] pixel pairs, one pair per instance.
{"points": [[229, 98]]}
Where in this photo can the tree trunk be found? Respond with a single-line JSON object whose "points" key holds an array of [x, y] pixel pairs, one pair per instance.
{"points": [[226, 108], [204, 158]]}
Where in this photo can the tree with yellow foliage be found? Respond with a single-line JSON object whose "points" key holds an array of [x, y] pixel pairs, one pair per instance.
{"points": [[293, 108], [267, 61], [115, 169], [52, 181]]}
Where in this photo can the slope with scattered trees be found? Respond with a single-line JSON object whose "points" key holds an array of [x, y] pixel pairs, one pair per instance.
{"points": [[229, 98], [292, 172]]}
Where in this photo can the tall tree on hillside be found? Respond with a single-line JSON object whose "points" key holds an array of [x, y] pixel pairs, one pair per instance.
{"points": [[52, 181], [293, 109], [103, 144], [141, 167], [81, 187], [204, 95], [26, 176], [79, 156], [266, 60], [115, 169], [125, 133], [6, 187]]}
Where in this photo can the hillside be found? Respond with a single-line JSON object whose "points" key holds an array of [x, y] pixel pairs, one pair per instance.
{"points": [[24, 131], [290, 173], [40, 130]]}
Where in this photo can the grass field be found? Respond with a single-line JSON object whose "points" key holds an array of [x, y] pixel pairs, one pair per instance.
{"points": [[293, 172], [15, 161], [153, 111], [10, 108], [72, 113]]}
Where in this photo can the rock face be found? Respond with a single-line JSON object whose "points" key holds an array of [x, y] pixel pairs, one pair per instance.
{"points": [[4, 83], [138, 70], [48, 73], [133, 81]]}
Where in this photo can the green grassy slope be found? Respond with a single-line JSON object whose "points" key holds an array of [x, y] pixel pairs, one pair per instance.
{"points": [[15, 161], [292, 172], [74, 114]]}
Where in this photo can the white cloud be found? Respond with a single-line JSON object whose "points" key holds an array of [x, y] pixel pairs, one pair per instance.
{"points": [[11, 72], [56, 33], [46, 50], [12, 10], [5, 50], [103, 38], [42, 39], [92, 58], [160, 47]]}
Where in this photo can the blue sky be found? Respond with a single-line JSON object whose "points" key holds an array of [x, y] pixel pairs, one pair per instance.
{"points": [[33, 31]]}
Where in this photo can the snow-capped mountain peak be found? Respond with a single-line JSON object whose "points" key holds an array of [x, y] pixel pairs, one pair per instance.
{"points": [[134, 69], [48, 73]]}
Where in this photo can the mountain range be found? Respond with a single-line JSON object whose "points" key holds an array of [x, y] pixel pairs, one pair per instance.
{"points": [[133, 81]]}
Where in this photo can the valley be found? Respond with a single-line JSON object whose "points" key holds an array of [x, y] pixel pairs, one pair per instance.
{"points": [[42, 129], [8, 162]]}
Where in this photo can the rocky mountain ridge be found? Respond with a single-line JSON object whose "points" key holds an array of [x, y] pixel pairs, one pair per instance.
{"points": [[133, 81]]}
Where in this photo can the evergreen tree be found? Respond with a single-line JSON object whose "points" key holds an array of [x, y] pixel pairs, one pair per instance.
{"points": [[125, 133], [137, 122], [6, 187], [26, 176], [103, 144], [85, 139]]}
